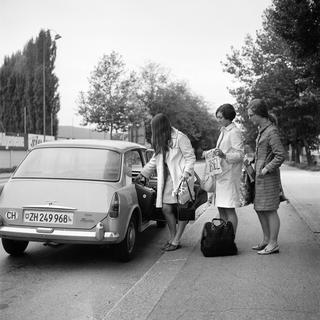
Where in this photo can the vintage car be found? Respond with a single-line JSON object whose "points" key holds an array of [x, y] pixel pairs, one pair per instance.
{"points": [[80, 192]]}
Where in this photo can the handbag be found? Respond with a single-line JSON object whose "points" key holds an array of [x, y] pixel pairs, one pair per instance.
{"points": [[208, 182], [282, 196], [218, 239], [247, 185], [187, 210]]}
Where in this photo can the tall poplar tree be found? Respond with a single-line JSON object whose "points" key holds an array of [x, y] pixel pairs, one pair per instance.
{"points": [[21, 87]]}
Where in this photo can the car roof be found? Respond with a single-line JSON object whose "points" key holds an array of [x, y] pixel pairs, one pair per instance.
{"points": [[117, 145]]}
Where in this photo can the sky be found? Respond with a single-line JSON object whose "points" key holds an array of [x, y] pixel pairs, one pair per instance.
{"points": [[188, 37]]}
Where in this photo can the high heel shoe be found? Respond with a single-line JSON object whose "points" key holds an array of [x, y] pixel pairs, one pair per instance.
{"points": [[166, 245], [266, 250], [259, 247], [172, 247]]}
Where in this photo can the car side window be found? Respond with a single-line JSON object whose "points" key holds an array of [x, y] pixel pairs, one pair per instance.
{"points": [[132, 163]]}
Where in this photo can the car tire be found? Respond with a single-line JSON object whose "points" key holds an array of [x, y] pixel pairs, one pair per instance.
{"points": [[14, 247], [127, 247], [161, 224]]}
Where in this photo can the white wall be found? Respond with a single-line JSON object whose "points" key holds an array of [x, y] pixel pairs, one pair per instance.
{"points": [[11, 158]]}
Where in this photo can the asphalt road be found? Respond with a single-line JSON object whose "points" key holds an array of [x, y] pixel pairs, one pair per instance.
{"points": [[87, 282], [69, 281]]}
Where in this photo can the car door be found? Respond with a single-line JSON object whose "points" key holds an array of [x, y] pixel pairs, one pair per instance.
{"points": [[134, 162]]}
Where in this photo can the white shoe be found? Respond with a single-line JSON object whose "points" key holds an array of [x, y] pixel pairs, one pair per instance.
{"points": [[266, 250]]}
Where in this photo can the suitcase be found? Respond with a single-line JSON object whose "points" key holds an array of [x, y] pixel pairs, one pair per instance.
{"points": [[218, 239]]}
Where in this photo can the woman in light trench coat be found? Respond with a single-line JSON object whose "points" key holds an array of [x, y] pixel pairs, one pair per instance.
{"points": [[230, 150], [174, 161]]}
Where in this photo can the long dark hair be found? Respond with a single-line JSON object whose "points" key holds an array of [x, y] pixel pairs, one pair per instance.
{"points": [[161, 133], [259, 107]]}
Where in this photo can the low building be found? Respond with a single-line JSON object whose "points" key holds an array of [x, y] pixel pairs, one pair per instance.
{"points": [[71, 132]]}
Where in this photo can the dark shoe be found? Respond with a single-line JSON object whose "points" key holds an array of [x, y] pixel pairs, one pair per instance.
{"points": [[167, 244], [259, 246], [172, 247], [266, 251]]}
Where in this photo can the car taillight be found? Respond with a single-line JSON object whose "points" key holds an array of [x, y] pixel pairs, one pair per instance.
{"points": [[114, 206]]}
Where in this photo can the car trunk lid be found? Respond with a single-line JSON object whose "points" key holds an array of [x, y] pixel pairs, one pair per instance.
{"points": [[77, 204]]}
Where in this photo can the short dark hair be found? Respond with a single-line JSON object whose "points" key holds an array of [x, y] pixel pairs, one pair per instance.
{"points": [[259, 107], [227, 111]]}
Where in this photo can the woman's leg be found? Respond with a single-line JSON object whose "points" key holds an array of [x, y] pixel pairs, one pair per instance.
{"points": [[222, 213], [178, 235], [167, 210], [274, 227], [229, 214], [263, 217]]}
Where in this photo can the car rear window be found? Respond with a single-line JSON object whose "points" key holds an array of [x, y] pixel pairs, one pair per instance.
{"points": [[71, 163]]}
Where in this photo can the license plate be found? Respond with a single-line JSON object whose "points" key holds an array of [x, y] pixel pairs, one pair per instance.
{"points": [[48, 217]]}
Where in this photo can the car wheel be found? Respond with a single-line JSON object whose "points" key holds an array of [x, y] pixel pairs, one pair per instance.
{"points": [[126, 248], [14, 247], [161, 224]]}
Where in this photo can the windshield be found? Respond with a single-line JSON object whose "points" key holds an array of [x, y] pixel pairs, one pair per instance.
{"points": [[71, 163]]}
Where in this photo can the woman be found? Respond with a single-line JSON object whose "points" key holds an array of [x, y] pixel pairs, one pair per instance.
{"points": [[269, 156], [230, 151], [174, 161]]}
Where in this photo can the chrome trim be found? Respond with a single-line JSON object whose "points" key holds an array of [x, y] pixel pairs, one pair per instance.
{"points": [[44, 230], [48, 206], [73, 236]]}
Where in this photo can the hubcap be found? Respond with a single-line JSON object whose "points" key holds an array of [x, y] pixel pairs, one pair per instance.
{"points": [[131, 236]]}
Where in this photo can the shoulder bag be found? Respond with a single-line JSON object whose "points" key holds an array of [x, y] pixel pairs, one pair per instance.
{"points": [[247, 185], [187, 210], [208, 182]]}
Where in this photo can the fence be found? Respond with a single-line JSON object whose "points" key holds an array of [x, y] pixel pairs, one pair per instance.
{"points": [[14, 147]]}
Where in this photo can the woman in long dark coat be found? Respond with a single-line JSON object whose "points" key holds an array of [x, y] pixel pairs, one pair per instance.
{"points": [[269, 156]]}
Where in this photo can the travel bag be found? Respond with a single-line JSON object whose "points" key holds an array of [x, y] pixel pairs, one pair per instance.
{"points": [[218, 239]]}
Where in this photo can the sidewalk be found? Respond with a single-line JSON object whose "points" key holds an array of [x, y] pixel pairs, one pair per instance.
{"points": [[185, 285]]}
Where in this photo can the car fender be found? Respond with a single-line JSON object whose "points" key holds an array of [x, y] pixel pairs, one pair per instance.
{"points": [[128, 207]]}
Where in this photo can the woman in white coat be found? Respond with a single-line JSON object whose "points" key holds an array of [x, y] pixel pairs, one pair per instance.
{"points": [[174, 161], [230, 151]]}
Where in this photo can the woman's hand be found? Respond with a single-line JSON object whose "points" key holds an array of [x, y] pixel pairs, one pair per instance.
{"points": [[219, 153], [186, 175], [264, 171], [138, 178]]}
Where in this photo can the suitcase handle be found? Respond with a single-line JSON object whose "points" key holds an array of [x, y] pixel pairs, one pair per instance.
{"points": [[220, 220]]}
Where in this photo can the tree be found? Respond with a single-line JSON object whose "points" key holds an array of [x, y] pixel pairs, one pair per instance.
{"points": [[266, 68], [111, 102], [21, 87], [186, 111]]}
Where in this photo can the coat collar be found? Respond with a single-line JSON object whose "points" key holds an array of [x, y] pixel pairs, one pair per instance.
{"points": [[228, 128], [265, 126], [174, 133]]}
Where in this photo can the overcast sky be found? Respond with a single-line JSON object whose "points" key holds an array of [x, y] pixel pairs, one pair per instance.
{"points": [[188, 37]]}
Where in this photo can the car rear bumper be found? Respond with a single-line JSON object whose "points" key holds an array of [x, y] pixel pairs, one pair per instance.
{"points": [[96, 235]]}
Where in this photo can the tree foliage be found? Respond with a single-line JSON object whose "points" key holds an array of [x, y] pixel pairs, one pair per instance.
{"points": [[280, 66], [117, 98], [21, 87], [186, 111], [111, 102]]}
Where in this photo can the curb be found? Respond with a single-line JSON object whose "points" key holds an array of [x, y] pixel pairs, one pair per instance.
{"points": [[151, 287]]}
